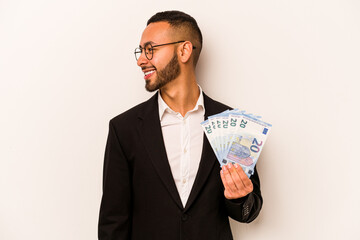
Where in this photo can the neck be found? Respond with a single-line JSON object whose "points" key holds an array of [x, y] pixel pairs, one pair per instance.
{"points": [[181, 94]]}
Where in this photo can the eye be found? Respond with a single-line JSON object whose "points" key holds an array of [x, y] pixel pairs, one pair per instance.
{"points": [[148, 49]]}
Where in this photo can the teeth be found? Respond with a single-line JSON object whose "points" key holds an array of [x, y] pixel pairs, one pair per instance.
{"points": [[147, 73]]}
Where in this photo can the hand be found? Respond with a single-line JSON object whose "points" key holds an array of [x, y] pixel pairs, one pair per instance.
{"points": [[236, 182]]}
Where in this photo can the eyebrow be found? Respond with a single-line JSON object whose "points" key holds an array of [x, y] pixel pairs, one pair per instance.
{"points": [[148, 42]]}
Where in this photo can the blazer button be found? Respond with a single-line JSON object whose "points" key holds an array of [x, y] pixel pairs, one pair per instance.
{"points": [[184, 217]]}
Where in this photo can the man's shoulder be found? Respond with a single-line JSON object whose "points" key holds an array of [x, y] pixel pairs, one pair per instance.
{"points": [[133, 113], [213, 106]]}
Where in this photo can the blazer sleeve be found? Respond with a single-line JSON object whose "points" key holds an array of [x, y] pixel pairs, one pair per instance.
{"points": [[115, 208], [247, 208]]}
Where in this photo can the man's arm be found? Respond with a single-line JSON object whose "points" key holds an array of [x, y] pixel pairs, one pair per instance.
{"points": [[115, 209], [243, 199]]}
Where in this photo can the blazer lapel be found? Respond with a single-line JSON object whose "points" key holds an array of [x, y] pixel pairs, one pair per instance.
{"points": [[208, 158], [207, 162], [150, 131]]}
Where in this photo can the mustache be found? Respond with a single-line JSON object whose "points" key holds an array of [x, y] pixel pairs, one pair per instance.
{"points": [[148, 67]]}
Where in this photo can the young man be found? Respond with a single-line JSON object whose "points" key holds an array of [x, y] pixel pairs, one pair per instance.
{"points": [[162, 180]]}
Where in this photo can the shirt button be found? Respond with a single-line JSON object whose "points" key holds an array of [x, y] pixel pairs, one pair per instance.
{"points": [[185, 150], [184, 180]]}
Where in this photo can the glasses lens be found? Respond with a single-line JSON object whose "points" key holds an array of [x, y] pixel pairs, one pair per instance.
{"points": [[148, 51], [137, 53]]}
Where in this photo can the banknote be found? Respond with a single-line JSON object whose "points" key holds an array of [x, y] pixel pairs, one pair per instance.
{"points": [[237, 137]]}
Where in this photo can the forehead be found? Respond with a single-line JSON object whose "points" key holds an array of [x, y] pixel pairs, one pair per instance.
{"points": [[156, 33]]}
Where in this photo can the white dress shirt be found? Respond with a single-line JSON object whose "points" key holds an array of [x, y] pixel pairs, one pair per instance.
{"points": [[183, 139]]}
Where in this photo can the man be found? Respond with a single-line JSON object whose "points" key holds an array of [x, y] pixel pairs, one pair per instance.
{"points": [[161, 178]]}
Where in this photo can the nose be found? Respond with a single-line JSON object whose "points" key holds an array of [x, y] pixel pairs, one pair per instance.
{"points": [[142, 59]]}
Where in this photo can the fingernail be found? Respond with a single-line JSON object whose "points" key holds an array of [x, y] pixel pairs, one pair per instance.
{"points": [[229, 165], [236, 165], [222, 172]]}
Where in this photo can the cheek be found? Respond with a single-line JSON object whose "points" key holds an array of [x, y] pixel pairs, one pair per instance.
{"points": [[156, 64], [161, 59]]}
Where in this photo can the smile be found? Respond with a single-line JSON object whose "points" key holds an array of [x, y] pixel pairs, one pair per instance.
{"points": [[148, 74]]}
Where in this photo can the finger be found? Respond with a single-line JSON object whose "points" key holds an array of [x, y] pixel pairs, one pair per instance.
{"points": [[244, 178], [230, 182], [233, 169], [243, 190], [222, 175], [240, 174], [227, 191]]}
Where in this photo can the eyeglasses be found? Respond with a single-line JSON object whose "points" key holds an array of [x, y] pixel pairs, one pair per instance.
{"points": [[149, 49]]}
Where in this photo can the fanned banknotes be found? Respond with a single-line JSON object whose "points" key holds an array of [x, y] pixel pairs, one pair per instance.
{"points": [[237, 137]]}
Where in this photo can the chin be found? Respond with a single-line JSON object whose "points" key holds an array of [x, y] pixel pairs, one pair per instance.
{"points": [[149, 87]]}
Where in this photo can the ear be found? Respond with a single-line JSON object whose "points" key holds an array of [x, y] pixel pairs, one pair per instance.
{"points": [[185, 51]]}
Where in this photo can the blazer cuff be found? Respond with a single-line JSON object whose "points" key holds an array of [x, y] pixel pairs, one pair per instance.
{"points": [[240, 209]]}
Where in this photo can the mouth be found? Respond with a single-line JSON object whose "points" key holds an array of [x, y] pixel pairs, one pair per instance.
{"points": [[148, 74]]}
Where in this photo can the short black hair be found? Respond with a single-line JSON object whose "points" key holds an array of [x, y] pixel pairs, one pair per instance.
{"points": [[178, 19]]}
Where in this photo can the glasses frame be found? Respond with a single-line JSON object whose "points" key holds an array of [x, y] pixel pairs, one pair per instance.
{"points": [[140, 49]]}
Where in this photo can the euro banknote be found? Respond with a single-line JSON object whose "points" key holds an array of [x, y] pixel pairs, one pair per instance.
{"points": [[237, 137]]}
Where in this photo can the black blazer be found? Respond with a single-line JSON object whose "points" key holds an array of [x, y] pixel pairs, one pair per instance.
{"points": [[140, 200]]}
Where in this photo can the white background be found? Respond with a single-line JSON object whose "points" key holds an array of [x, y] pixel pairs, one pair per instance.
{"points": [[67, 67]]}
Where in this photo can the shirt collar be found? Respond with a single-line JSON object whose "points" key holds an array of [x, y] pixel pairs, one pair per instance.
{"points": [[164, 107]]}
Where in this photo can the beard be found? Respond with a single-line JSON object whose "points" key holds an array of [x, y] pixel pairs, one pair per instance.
{"points": [[165, 75]]}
